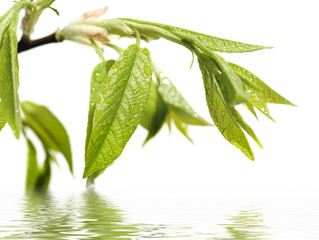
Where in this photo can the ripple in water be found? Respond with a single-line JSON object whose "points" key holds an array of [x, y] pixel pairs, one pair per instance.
{"points": [[92, 216]]}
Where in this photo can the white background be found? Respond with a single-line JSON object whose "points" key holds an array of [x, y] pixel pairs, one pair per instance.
{"points": [[58, 76]]}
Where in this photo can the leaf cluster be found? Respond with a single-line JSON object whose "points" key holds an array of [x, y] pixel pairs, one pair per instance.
{"points": [[128, 91]]}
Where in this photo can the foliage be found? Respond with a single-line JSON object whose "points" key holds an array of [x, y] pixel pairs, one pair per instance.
{"points": [[128, 91]]}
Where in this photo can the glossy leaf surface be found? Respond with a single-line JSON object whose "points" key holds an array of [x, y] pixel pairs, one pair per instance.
{"points": [[119, 107], [220, 111], [98, 76], [177, 103], [9, 77], [210, 42], [262, 95], [48, 128]]}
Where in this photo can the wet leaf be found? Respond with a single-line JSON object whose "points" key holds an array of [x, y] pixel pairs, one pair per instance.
{"points": [[98, 76], [210, 42], [229, 82], [259, 97], [154, 114], [48, 128], [219, 109], [119, 108], [9, 76], [245, 126], [177, 103]]}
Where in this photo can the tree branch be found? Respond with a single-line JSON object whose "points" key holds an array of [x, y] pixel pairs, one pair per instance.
{"points": [[26, 44]]}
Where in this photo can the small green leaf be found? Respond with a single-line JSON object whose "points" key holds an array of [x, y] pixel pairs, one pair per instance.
{"points": [[119, 108], [154, 114], [55, 10], [259, 97], [9, 77], [44, 175], [97, 78], [245, 126], [210, 42], [219, 109], [177, 103], [229, 82], [48, 128], [32, 167], [181, 126]]}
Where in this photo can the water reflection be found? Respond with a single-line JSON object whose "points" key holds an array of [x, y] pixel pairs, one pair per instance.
{"points": [[245, 225], [102, 220], [88, 216], [92, 216]]}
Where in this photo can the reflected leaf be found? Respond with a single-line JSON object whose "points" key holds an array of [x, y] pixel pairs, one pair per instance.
{"points": [[103, 220], [245, 225]]}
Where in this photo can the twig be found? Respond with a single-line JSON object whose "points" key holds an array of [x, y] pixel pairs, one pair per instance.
{"points": [[24, 44]]}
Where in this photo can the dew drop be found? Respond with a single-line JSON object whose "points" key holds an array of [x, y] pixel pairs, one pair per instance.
{"points": [[145, 51], [142, 90], [165, 81], [110, 153], [147, 70]]}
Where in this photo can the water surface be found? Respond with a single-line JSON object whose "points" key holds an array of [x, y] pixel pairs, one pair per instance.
{"points": [[90, 215]]}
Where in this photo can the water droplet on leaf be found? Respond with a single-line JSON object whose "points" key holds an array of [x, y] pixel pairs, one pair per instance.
{"points": [[147, 70]]}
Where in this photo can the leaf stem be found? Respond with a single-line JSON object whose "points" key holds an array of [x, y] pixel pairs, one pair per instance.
{"points": [[98, 50], [25, 44]]}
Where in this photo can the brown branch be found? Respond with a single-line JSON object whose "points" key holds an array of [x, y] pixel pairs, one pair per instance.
{"points": [[26, 44]]}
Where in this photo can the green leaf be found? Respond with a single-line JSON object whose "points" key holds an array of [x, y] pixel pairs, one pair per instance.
{"points": [[2, 123], [181, 126], [119, 108], [245, 126], [9, 77], [229, 82], [48, 128], [44, 176], [154, 114], [98, 76], [219, 109], [259, 97], [210, 42], [32, 167], [177, 103]]}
